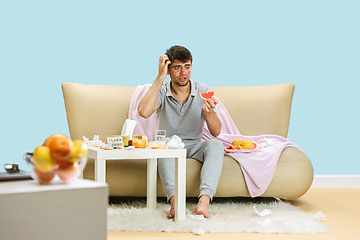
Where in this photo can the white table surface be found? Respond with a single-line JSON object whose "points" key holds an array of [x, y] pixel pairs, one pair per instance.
{"points": [[101, 156], [23, 186]]}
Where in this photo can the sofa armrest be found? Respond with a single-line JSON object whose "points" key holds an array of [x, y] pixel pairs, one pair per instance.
{"points": [[96, 109]]}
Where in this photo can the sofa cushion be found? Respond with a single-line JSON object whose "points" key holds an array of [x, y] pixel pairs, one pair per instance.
{"points": [[293, 177]]}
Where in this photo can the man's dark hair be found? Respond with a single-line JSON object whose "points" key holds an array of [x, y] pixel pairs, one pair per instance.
{"points": [[179, 53]]}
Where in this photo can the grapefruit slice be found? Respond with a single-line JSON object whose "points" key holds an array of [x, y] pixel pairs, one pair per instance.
{"points": [[207, 95], [230, 148]]}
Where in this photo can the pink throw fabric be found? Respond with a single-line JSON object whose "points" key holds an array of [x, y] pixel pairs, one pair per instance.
{"points": [[258, 166], [144, 126]]}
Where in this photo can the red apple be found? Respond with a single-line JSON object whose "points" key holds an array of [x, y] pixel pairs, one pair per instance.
{"points": [[67, 171]]}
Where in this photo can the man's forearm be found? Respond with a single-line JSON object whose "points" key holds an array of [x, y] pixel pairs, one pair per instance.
{"points": [[148, 105], [213, 123]]}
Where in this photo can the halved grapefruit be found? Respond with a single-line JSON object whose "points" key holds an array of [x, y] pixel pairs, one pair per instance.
{"points": [[207, 95]]}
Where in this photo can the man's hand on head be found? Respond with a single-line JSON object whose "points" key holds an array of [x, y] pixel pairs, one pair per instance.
{"points": [[164, 62]]}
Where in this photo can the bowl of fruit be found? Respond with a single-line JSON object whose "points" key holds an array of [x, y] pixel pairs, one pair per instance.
{"points": [[58, 158]]}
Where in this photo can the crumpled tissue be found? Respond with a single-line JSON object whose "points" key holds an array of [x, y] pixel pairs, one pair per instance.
{"points": [[263, 213], [320, 216], [128, 127], [269, 142], [199, 231], [175, 142], [95, 142]]}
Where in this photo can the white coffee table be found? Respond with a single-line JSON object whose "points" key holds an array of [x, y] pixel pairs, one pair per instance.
{"points": [[101, 156]]}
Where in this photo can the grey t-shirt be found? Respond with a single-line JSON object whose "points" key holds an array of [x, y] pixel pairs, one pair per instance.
{"points": [[186, 121]]}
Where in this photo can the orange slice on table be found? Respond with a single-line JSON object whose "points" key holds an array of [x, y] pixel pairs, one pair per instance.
{"points": [[155, 145], [140, 143]]}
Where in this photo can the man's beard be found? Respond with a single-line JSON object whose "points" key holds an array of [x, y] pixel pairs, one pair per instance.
{"points": [[181, 84]]}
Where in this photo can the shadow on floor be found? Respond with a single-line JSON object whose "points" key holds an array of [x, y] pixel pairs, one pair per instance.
{"points": [[142, 200]]}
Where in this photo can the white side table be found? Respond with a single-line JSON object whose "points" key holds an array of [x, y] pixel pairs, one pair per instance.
{"points": [[57, 211], [101, 156]]}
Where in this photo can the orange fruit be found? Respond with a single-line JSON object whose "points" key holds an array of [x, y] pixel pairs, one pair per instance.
{"points": [[49, 139], [136, 143], [237, 143], [60, 147], [139, 143]]}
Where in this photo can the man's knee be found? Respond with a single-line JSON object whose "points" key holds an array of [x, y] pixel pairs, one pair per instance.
{"points": [[214, 150], [216, 145]]}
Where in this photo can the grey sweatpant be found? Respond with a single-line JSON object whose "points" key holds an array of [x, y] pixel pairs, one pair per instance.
{"points": [[210, 153]]}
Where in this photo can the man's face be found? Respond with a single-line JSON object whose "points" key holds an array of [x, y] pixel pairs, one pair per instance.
{"points": [[180, 72]]}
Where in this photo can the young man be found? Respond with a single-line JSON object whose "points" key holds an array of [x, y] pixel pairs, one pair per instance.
{"points": [[181, 111]]}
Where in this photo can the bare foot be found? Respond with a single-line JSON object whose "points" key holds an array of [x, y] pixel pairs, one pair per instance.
{"points": [[203, 206], [172, 208]]}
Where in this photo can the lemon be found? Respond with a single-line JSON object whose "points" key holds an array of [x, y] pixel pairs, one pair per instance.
{"points": [[247, 144], [79, 150], [43, 160], [244, 143]]}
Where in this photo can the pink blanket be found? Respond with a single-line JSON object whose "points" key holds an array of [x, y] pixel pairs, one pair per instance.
{"points": [[258, 166], [144, 126]]}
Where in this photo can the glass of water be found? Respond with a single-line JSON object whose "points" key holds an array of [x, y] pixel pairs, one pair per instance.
{"points": [[160, 137]]}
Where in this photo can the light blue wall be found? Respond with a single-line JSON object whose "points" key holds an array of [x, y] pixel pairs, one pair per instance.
{"points": [[313, 44]]}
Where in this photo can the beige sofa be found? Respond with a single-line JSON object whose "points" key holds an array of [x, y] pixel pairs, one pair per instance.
{"points": [[257, 110]]}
